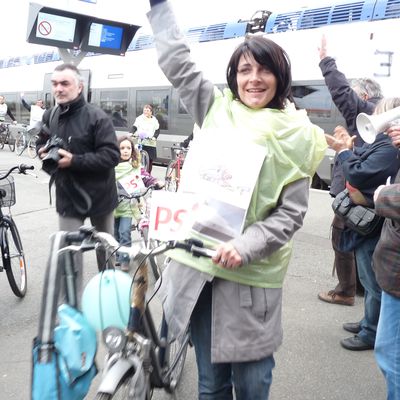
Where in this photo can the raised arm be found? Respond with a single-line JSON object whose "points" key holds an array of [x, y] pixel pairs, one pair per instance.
{"points": [[174, 59]]}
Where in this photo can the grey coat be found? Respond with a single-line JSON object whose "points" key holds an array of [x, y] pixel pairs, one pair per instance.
{"points": [[246, 321]]}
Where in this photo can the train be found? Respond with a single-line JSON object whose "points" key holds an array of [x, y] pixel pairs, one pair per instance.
{"points": [[361, 35]]}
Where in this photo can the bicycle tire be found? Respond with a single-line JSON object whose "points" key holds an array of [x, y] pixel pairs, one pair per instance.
{"points": [[145, 159], [2, 140], [20, 143], [152, 259], [32, 146], [11, 142], [13, 258], [171, 178], [176, 357]]}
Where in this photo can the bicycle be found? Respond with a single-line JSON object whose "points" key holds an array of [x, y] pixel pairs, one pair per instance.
{"points": [[26, 139], [142, 358], [173, 172], [12, 253], [5, 136]]}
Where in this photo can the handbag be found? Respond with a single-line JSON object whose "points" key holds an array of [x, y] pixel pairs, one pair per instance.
{"points": [[360, 219]]}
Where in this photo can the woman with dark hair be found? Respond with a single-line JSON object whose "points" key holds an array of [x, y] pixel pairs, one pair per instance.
{"points": [[233, 303]]}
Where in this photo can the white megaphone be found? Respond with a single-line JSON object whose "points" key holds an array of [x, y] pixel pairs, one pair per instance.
{"points": [[369, 126]]}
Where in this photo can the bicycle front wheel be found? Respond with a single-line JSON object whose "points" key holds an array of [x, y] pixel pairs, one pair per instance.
{"points": [[2, 140], [14, 259], [171, 177], [11, 142], [32, 146], [20, 143], [174, 362]]}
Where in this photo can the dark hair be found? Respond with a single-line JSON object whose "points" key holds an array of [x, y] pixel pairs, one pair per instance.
{"points": [[271, 56], [135, 155]]}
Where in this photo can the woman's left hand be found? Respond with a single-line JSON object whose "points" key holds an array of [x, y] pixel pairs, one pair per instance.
{"points": [[227, 256]]}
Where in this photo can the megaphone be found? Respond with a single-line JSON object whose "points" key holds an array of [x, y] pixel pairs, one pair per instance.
{"points": [[369, 126]]}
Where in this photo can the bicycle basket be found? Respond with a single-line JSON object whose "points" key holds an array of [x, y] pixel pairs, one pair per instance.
{"points": [[8, 185]]}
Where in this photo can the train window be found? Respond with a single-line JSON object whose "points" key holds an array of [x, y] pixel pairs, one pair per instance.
{"points": [[115, 104], [315, 99], [159, 99]]}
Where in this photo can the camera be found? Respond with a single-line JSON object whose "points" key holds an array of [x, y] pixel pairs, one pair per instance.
{"points": [[50, 162]]}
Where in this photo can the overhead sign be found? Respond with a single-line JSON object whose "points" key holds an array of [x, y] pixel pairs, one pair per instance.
{"points": [[69, 30], [56, 27], [108, 37]]}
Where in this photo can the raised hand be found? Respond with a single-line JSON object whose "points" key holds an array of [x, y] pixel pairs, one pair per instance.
{"points": [[322, 49]]}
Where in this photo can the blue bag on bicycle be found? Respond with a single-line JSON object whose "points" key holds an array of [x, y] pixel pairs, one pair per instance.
{"points": [[63, 355], [68, 372]]}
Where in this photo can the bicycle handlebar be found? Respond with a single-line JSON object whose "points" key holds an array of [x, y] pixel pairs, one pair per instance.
{"points": [[135, 195], [90, 238], [177, 146], [22, 169]]}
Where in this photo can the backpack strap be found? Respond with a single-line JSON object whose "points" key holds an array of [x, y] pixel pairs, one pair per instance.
{"points": [[53, 126]]}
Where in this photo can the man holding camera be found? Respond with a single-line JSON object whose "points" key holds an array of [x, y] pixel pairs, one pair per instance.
{"points": [[78, 147]]}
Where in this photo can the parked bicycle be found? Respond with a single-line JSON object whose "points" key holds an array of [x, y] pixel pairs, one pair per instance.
{"points": [[173, 172], [6, 137], [12, 253], [26, 139]]}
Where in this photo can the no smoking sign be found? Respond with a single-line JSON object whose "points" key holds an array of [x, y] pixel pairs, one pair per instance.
{"points": [[44, 28]]}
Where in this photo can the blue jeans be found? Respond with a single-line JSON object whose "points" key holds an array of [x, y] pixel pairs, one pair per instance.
{"points": [[372, 291], [251, 380], [387, 345], [122, 232]]}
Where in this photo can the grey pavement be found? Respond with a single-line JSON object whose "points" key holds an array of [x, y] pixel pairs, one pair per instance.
{"points": [[310, 365]]}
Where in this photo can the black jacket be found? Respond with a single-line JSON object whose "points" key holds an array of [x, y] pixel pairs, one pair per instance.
{"points": [[349, 105], [87, 133], [370, 165]]}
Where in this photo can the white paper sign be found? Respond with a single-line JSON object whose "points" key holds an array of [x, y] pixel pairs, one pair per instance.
{"points": [[132, 183], [171, 215], [217, 183]]}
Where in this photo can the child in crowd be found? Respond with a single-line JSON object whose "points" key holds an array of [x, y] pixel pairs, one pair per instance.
{"points": [[129, 173]]}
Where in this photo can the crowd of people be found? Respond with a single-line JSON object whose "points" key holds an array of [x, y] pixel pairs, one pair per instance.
{"points": [[233, 304]]}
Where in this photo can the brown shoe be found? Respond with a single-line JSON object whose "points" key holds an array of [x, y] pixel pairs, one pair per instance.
{"points": [[336, 298]]}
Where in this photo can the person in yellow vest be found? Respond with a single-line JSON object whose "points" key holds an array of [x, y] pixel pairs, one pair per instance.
{"points": [[233, 303], [128, 173]]}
